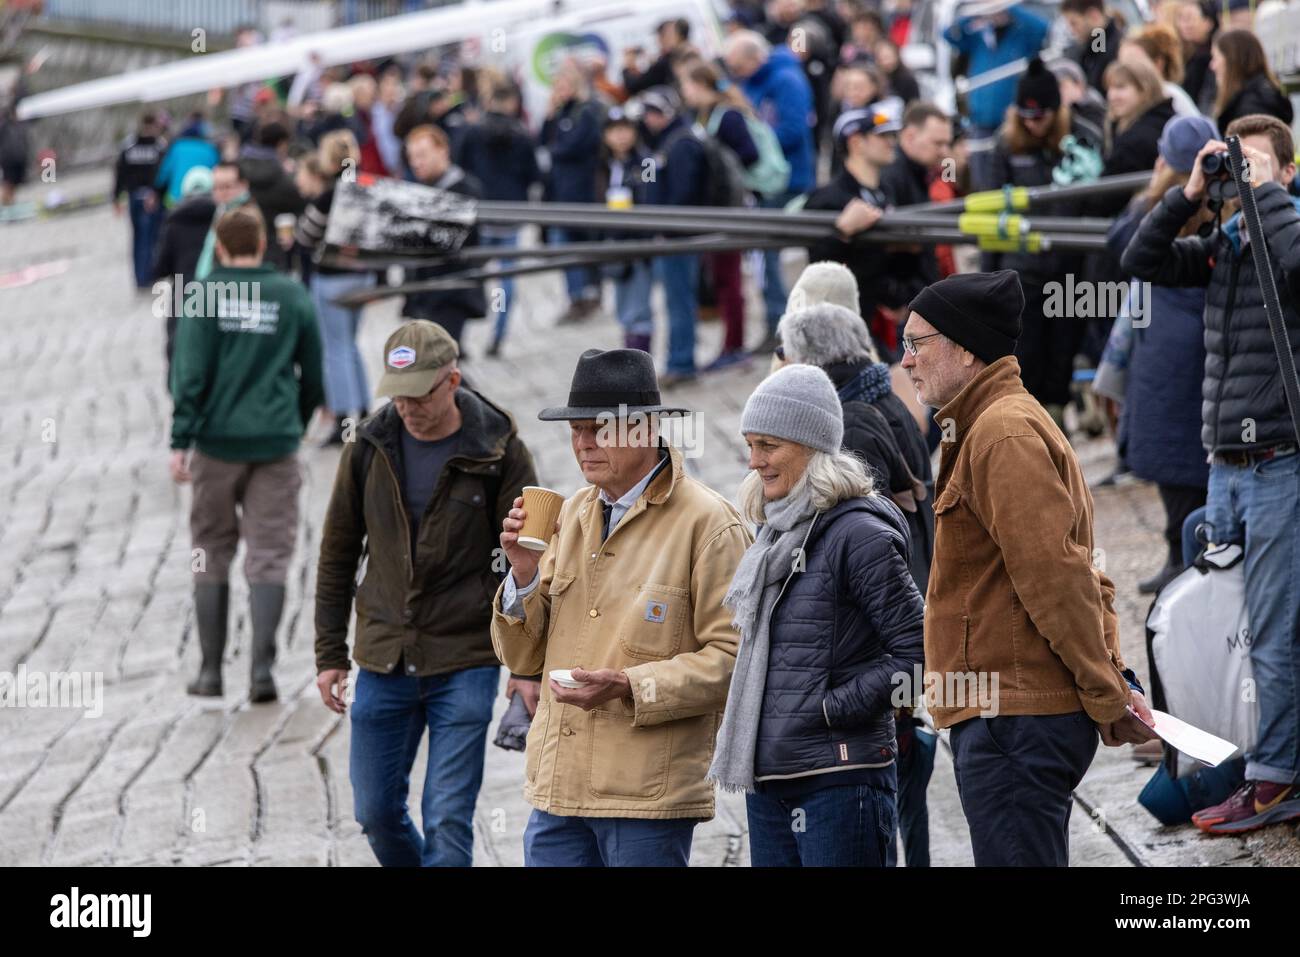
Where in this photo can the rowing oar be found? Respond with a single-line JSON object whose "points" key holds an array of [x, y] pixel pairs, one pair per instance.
{"points": [[723, 217], [988, 240], [560, 257], [553, 258], [363, 260], [1023, 198]]}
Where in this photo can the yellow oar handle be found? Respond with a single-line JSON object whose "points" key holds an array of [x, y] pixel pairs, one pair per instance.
{"points": [[1028, 243], [998, 200], [993, 225]]}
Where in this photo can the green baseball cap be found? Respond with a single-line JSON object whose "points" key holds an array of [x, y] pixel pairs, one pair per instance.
{"points": [[413, 356]]}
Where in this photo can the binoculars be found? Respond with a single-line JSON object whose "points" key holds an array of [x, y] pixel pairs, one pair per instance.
{"points": [[1215, 165]]}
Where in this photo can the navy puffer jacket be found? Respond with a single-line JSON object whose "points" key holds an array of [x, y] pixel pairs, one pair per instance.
{"points": [[1243, 405], [842, 628]]}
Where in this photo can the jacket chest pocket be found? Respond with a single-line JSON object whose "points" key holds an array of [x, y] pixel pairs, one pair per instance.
{"points": [[949, 522], [559, 585], [653, 624]]}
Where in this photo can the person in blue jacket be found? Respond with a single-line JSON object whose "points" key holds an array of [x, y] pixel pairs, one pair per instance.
{"points": [[571, 137], [990, 34], [773, 80], [190, 149], [1160, 420], [681, 175]]}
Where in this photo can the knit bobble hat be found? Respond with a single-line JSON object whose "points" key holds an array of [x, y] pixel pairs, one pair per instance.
{"points": [[797, 403], [1038, 93]]}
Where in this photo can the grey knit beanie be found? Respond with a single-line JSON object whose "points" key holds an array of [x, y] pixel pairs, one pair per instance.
{"points": [[797, 403], [824, 334]]}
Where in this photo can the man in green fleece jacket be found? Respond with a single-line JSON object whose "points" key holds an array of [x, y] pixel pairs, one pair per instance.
{"points": [[246, 380]]}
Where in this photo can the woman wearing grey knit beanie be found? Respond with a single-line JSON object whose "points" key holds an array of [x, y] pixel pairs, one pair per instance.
{"points": [[831, 635]]}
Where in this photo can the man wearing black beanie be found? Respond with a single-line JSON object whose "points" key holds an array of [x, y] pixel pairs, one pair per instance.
{"points": [[1022, 655]]}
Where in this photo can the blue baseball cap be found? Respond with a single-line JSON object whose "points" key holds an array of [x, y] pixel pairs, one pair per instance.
{"points": [[1182, 138]]}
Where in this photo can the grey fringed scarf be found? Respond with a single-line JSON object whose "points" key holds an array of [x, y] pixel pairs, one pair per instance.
{"points": [[752, 596]]}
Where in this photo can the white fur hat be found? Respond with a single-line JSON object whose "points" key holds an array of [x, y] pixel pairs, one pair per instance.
{"points": [[824, 282]]}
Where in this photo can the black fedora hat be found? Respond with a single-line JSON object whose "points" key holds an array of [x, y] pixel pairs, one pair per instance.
{"points": [[612, 382]]}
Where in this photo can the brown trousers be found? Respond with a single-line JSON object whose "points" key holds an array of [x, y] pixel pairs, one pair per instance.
{"points": [[257, 501]]}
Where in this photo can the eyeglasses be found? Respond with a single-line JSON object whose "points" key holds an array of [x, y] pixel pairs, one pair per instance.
{"points": [[428, 396], [909, 342]]}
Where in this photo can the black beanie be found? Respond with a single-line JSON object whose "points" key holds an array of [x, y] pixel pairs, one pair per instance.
{"points": [[1038, 89], [980, 311]]}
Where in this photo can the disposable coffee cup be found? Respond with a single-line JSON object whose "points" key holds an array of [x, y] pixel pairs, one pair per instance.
{"points": [[284, 224], [564, 678], [542, 508]]}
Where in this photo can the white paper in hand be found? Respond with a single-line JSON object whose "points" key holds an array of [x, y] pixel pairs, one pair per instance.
{"points": [[1191, 740]]}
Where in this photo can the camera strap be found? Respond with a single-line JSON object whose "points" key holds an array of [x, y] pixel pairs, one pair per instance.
{"points": [[1267, 282]]}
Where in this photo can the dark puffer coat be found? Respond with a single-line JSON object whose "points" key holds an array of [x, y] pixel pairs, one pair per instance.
{"points": [[1243, 405], [843, 627]]}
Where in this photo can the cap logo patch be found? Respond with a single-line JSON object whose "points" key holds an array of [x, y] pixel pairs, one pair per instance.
{"points": [[401, 357]]}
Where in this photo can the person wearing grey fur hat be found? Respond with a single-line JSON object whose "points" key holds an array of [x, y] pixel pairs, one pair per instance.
{"points": [[828, 616], [877, 424]]}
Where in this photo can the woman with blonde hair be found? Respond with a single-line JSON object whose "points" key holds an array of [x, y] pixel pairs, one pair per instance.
{"points": [[347, 392], [1137, 111], [831, 632], [1159, 46]]}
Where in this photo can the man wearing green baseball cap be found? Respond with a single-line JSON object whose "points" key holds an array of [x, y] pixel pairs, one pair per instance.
{"points": [[428, 513]]}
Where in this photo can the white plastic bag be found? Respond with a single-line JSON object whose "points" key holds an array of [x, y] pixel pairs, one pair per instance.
{"points": [[1201, 645]]}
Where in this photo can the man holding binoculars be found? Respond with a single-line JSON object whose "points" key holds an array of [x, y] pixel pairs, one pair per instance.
{"points": [[1254, 493]]}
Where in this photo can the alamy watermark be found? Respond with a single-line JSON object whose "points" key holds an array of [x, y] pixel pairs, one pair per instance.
{"points": [[53, 689], [1097, 300]]}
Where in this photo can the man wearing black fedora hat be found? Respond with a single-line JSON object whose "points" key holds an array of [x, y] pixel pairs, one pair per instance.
{"points": [[628, 597]]}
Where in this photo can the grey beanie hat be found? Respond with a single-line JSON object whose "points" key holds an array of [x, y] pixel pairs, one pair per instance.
{"points": [[825, 333], [797, 403]]}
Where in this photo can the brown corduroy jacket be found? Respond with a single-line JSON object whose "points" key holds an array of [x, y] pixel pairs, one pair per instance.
{"points": [[1016, 596]]}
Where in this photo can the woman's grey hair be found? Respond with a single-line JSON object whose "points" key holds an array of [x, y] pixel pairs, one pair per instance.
{"points": [[831, 477], [825, 333]]}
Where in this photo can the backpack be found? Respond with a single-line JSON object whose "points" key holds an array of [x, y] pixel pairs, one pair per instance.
{"points": [[725, 175], [770, 174]]}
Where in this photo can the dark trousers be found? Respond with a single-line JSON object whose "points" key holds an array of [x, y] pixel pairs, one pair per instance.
{"points": [[1179, 502], [145, 227], [1015, 775]]}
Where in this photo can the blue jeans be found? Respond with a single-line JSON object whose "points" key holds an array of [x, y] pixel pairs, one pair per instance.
{"points": [[849, 825], [632, 299], [1259, 507], [1190, 545], [389, 717], [507, 284], [680, 276], [554, 841], [582, 282], [145, 227], [1015, 777], [774, 295], [346, 389]]}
